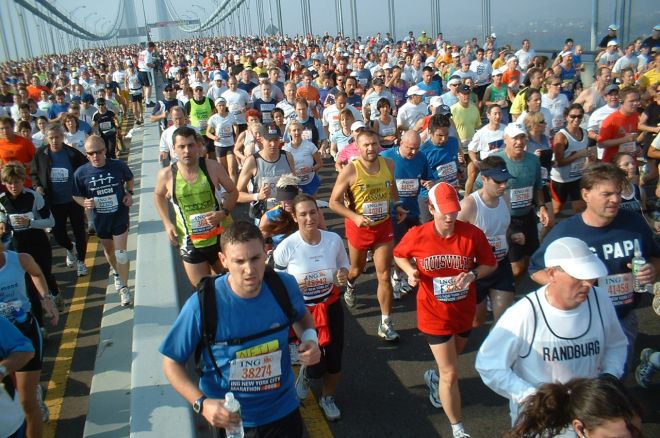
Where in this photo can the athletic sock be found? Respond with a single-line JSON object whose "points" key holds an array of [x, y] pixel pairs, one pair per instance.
{"points": [[457, 427]]}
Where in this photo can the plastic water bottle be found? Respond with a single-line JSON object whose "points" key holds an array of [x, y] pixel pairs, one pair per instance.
{"points": [[637, 262], [232, 405]]}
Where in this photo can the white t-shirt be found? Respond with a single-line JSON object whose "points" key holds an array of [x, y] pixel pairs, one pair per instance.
{"points": [[556, 107], [313, 265], [487, 141], [144, 59], [223, 128], [11, 412], [524, 58], [303, 156], [76, 140], [237, 102], [409, 114], [331, 117]]}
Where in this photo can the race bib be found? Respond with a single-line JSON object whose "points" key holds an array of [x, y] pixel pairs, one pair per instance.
{"points": [[257, 373], [105, 126], [407, 187], [317, 284], [388, 130], [226, 132], [203, 124], [628, 147], [235, 109], [499, 245], [59, 174], [444, 289], [201, 229], [375, 210], [106, 204], [577, 168], [522, 197], [307, 134], [448, 172], [619, 287]]}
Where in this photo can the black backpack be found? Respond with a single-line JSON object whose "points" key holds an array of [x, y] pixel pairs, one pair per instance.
{"points": [[209, 317]]}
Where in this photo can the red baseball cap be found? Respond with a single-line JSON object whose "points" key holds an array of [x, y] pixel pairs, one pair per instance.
{"points": [[444, 198]]}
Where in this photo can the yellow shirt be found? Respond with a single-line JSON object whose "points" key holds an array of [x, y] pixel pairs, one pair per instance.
{"points": [[499, 62], [649, 78], [370, 195], [467, 120]]}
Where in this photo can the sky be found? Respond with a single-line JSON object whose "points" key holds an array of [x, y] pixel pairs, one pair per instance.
{"points": [[547, 23]]}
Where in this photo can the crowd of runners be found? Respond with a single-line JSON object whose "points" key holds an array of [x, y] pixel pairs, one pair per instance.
{"points": [[453, 166]]}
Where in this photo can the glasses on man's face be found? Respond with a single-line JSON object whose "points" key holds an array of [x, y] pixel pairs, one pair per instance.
{"points": [[575, 116], [94, 152]]}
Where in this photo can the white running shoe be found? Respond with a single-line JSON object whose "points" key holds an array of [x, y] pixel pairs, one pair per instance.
{"points": [[82, 269], [329, 408], [302, 383], [125, 296], [45, 412], [432, 381], [117, 281], [387, 332], [70, 258]]}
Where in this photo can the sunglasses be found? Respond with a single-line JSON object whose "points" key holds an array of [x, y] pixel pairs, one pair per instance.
{"points": [[576, 116], [94, 153]]}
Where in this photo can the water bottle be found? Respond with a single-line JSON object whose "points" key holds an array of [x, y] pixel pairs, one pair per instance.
{"points": [[19, 315], [232, 405], [637, 262]]}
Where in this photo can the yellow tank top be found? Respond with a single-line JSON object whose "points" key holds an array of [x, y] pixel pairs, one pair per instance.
{"points": [[370, 195]]}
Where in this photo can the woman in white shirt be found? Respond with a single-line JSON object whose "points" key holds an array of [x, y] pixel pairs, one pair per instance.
{"points": [[318, 261], [73, 136], [488, 139], [306, 158]]}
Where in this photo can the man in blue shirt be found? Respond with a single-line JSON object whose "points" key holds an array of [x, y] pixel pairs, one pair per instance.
{"points": [[432, 88], [246, 307]]}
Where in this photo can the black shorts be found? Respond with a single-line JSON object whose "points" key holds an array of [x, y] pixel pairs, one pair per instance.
{"points": [[136, 97], [30, 329], [223, 151], [561, 191], [241, 127], [501, 279], [195, 256], [527, 225], [400, 229], [442, 339], [109, 225], [144, 78], [331, 354], [289, 426], [481, 90]]}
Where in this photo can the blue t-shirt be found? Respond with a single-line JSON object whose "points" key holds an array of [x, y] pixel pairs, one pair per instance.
{"points": [[355, 100], [432, 89], [613, 244], [407, 174], [85, 127], [264, 384], [449, 99], [56, 109], [61, 177], [12, 340], [104, 184], [442, 162], [13, 294]]}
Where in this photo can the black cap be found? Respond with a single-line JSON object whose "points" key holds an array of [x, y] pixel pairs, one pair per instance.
{"points": [[286, 193], [100, 101], [378, 81], [464, 89]]}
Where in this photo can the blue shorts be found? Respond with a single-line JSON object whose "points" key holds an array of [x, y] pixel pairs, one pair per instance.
{"points": [[501, 279], [112, 224], [311, 187]]}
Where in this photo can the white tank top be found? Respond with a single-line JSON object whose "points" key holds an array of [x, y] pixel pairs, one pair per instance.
{"points": [[385, 130], [494, 222], [574, 170]]}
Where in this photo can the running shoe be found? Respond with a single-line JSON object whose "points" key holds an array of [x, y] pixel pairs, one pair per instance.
{"points": [[302, 383], [117, 281], [70, 258], [461, 434], [405, 287], [45, 412], [59, 303], [396, 285], [90, 229], [432, 381], [125, 296], [645, 370], [387, 332], [350, 295], [329, 408], [370, 256], [82, 269]]}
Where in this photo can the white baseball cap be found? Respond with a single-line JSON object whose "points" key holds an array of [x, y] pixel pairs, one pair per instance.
{"points": [[512, 130], [575, 258], [357, 125], [415, 91]]}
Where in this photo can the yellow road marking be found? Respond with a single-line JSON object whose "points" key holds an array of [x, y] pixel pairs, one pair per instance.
{"points": [[315, 422], [62, 364]]}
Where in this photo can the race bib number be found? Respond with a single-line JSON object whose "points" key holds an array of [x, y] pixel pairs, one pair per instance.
{"points": [[577, 168], [375, 210], [59, 174], [628, 147], [388, 130], [200, 228], [307, 134], [522, 197], [363, 81], [105, 126], [106, 204], [619, 287], [226, 132], [407, 187], [316, 284], [235, 109], [448, 172], [499, 245], [444, 289], [257, 373]]}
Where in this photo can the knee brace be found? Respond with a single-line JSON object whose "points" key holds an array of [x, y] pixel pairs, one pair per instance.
{"points": [[122, 256]]}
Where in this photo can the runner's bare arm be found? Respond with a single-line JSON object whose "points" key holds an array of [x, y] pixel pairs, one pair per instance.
{"points": [[249, 168], [467, 212], [221, 178], [34, 271], [344, 180], [161, 194]]}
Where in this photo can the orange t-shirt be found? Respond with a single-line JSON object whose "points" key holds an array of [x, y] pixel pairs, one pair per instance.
{"points": [[616, 125], [310, 94], [510, 76], [19, 149]]}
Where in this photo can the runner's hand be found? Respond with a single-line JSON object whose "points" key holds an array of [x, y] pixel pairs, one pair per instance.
{"points": [[362, 221], [518, 238], [88, 203], [463, 280], [309, 353], [401, 214], [413, 278], [215, 413], [645, 274], [128, 199], [341, 277], [50, 310], [171, 234]]}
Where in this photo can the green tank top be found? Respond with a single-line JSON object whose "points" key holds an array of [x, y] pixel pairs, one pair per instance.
{"points": [[191, 202], [200, 114], [497, 94]]}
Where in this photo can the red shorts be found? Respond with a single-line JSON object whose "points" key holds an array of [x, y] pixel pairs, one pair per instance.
{"points": [[367, 237]]}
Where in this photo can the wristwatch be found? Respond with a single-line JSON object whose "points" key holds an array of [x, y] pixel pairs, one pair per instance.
{"points": [[474, 272], [198, 406]]}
